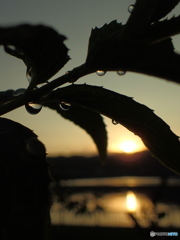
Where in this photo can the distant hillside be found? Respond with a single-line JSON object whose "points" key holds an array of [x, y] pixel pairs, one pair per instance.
{"points": [[137, 164]]}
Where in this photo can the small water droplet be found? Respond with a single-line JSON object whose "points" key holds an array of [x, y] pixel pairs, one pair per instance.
{"points": [[19, 92], [64, 106], [35, 147], [29, 74], [121, 72], [33, 108], [131, 8], [101, 73], [114, 122], [11, 47]]}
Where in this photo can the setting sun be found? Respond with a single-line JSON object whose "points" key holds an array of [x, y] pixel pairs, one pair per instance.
{"points": [[128, 146]]}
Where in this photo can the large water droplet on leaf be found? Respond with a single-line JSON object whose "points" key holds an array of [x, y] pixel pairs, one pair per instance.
{"points": [[131, 8], [101, 73], [19, 92], [33, 108], [29, 74], [64, 106], [121, 72], [114, 122]]}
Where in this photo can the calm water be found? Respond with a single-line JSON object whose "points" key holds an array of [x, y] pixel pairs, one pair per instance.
{"points": [[127, 181], [104, 202]]}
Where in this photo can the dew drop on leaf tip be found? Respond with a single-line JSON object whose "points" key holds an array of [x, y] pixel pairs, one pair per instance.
{"points": [[121, 72], [100, 72], [33, 108], [114, 122], [131, 8], [64, 106]]}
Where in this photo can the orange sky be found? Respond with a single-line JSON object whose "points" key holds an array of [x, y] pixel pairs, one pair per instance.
{"points": [[75, 20]]}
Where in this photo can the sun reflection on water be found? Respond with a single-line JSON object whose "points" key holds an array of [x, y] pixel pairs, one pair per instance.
{"points": [[128, 206], [131, 202]]}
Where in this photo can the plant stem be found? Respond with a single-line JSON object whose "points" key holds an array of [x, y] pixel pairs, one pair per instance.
{"points": [[36, 94]]}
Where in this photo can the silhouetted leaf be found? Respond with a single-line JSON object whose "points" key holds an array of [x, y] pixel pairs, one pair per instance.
{"points": [[24, 182], [107, 32], [90, 121], [18, 139], [138, 46], [145, 13], [104, 47], [18, 131], [138, 118], [162, 30], [110, 52], [160, 8], [158, 60], [40, 47]]}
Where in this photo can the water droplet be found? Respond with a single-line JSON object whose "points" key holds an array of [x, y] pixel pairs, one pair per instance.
{"points": [[35, 147], [29, 74], [64, 106], [121, 72], [101, 73], [33, 108], [114, 122], [131, 8], [11, 47], [19, 92]]}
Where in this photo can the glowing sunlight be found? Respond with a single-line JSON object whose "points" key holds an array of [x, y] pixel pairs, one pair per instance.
{"points": [[131, 202], [128, 146]]}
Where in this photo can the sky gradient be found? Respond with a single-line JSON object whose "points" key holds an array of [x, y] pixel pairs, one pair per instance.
{"points": [[75, 19]]}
